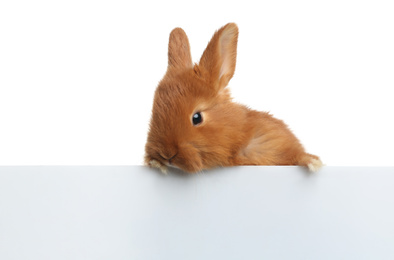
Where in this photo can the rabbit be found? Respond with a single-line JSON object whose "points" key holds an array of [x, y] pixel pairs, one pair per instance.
{"points": [[195, 125]]}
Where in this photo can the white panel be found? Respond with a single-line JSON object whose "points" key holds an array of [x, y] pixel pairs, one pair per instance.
{"points": [[132, 212]]}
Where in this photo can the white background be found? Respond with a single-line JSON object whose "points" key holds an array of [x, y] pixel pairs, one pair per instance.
{"points": [[77, 77]]}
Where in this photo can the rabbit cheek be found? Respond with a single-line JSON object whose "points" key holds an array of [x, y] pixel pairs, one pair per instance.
{"points": [[189, 160]]}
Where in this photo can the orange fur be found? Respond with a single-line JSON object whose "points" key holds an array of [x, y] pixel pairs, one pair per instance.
{"points": [[230, 134]]}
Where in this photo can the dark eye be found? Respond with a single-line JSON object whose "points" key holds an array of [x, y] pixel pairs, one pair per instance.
{"points": [[197, 118]]}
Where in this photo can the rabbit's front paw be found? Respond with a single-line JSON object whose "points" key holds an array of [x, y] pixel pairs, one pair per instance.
{"points": [[156, 164], [314, 165]]}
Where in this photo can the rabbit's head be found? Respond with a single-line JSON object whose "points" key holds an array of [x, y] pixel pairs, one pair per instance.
{"points": [[193, 117]]}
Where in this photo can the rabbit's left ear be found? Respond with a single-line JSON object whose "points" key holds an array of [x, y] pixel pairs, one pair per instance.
{"points": [[179, 56], [219, 58]]}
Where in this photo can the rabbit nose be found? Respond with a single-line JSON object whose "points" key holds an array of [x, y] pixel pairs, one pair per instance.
{"points": [[169, 158]]}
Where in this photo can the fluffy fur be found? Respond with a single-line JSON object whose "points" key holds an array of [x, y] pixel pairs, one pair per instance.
{"points": [[230, 134]]}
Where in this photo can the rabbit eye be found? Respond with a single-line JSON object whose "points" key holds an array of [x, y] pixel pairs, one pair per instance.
{"points": [[197, 118]]}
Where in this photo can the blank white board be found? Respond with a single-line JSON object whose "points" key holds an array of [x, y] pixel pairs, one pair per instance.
{"points": [[133, 212]]}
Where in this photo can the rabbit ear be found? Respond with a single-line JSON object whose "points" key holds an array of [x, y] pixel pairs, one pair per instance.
{"points": [[179, 55], [219, 57]]}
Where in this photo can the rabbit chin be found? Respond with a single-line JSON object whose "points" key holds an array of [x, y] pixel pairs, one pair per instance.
{"points": [[173, 166], [190, 164], [190, 167]]}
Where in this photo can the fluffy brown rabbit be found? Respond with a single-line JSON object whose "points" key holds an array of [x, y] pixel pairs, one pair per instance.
{"points": [[195, 125]]}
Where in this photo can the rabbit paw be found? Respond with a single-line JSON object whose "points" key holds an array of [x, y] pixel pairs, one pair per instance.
{"points": [[156, 164], [314, 165]]}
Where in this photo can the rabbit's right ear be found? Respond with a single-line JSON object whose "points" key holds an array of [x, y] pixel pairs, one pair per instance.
{"points": [[179, 55], [219, 58]]}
